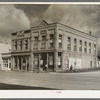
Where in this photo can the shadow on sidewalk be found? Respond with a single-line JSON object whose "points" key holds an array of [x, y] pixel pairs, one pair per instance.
{"points": [[4, 86]]}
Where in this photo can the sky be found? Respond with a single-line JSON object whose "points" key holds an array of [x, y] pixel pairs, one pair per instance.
{"points": [[16, 17]]}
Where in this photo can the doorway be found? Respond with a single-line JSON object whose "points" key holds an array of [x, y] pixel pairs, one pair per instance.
{"points": [[44, 59]]}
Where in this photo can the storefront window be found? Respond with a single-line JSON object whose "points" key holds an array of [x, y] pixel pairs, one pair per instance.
{"points": [[50, 60], [59, 59], [5, 62]]}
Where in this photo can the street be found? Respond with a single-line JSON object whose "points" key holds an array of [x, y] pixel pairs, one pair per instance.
{"points": [[63, 81]]}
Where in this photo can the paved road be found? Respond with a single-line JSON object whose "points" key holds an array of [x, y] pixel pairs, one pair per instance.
{"points": [[66, 81]]}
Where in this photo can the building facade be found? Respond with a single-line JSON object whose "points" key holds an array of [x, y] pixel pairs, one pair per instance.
{"points": [[53, 47], [6, 61], [5, 48]]}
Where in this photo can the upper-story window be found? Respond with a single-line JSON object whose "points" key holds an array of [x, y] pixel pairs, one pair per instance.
{"points": [[20, 44], [80, 45], [43, 42], [15, 45], [85, 47], [75, 44], [26, 44], [94, 48], [60, 41], [51, 40], [69, 43], [35, 42], [90, 48]]}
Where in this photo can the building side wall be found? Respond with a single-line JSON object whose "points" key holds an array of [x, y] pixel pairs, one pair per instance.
{"points": [[84, 58]]}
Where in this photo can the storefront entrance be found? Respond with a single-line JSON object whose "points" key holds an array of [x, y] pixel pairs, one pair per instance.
{"points": [[21, 63], [44, 62]]}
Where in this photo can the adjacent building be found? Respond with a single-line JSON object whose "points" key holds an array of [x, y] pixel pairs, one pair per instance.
{"points": [[6, 61], [55, 46], [5, 49]]}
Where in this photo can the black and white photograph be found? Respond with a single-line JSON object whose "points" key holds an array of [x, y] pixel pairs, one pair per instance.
{"points": [[49, 46]]}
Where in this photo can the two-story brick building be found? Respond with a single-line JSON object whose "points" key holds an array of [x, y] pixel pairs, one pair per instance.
{"points": [[54, 45]]}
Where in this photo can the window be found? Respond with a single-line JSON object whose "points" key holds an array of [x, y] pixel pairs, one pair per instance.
{"points": [[69, 43], [43, 42], [90, 64], [85, 47], [50, 60], [36, 43], [59, 59], [26, 44], [24, 61], [5, 62], [75, 44], [60, 41], [80, 45], [90, 48], [15, 45], [15, 62], [94, 48], [51, 40], [20, 44]]}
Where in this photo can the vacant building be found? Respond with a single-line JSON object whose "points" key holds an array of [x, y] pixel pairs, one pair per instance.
{"points": [[53, 47], [5, 48], [6, 61]]}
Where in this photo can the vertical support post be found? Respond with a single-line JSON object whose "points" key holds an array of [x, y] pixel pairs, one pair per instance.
{"points": [[26, 62], [31, 62], [55, 60], [17, 63], [12, 63], [62, 61], [47, 62], [39, 61], [8, 64], [56, 36], [21, 63]]}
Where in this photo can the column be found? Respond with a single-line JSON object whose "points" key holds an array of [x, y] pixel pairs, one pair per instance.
{"points": [[47, 61], [8, 63], [31, 62], [39, 42], [39, 62], [47, 40], [13, 63], [62, 61], [56, 42], [26, 62], [55, 60], [17, 63], [21, 63]]}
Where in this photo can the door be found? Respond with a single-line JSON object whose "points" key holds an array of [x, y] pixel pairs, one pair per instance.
{"points": [[44, 59]]}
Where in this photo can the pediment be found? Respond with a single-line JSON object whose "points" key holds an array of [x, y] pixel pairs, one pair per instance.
{"points": [[20, 33], [43, 23]]}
